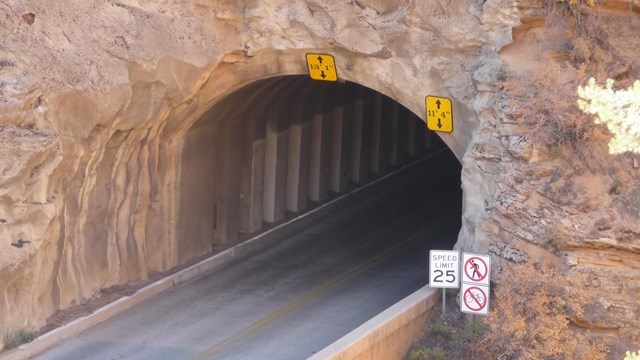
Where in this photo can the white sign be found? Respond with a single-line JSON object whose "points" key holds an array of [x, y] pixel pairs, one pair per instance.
{"points": [[476, 269], [444, 269], [475, 299]]}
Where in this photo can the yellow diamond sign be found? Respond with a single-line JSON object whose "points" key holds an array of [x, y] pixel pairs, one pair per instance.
{"points": [[439, 114], [322, 67]]}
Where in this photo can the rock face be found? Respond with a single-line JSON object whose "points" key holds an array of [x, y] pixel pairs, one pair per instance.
{"points": [[557, 194], [96, 98]]}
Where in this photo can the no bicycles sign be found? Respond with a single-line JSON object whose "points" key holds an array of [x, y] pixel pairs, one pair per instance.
{"points": [[475, 299], [474, 292]]}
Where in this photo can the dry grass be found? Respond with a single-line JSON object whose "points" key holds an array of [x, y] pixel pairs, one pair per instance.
{"points": [[534, 316]]}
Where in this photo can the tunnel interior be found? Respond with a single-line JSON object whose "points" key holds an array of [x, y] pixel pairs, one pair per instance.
{"points": [[281, 146]]}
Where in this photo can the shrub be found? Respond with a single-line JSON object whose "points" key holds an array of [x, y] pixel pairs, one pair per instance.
{"points": [[532, 316], [440, 328], [472, 330], [632, 355], [618, 109], [19, 338], [581, 12], [549, 107], [434, 353]]}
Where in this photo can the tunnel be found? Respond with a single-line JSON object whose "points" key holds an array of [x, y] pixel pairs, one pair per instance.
{"points": [[143, 137], [281, 146]]}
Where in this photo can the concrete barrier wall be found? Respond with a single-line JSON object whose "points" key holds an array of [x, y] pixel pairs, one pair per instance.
{"points": [[387, 336]]}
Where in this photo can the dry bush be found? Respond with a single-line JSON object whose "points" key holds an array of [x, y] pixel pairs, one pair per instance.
{"points": [[546, 101], [583, 14], [531, 317]]}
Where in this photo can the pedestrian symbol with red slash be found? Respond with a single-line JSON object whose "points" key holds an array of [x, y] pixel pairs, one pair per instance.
{"points": [[475, 268], [474, 292]]}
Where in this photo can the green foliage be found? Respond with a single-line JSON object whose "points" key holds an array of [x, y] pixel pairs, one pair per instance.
{"points": [[632, 355], [472, 330], [618, 109], [440, 329], [19, 338], [434, 353]]}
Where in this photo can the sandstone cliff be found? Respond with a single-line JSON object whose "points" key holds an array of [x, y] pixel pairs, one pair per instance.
{"points": [[96, 98], [561, 196]]}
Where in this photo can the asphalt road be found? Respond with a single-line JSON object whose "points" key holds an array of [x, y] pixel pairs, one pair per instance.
{"points": [[304, 292]]}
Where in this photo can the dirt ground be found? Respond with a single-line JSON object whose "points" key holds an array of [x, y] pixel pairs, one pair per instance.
{"points": [[447, 336]]}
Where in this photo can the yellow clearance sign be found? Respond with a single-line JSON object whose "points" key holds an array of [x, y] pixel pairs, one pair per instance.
{"points": [[322, 67], [439, 114]]}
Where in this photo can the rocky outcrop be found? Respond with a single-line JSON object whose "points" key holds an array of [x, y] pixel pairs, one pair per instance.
{"points": [[553, 191], [96, 98]]}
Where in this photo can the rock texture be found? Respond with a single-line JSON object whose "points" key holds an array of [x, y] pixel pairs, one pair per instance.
{"points": [[552, 191], [97, 96]]}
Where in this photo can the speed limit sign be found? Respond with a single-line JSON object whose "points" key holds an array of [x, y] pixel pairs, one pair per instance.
{"points": [[444, 269]]}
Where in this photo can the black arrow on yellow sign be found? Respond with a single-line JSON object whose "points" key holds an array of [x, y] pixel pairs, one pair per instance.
{"points": [[439, 114], [321, 67]]}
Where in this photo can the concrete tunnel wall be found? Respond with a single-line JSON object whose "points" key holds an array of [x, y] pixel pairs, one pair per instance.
{"points": [[281, 145]]}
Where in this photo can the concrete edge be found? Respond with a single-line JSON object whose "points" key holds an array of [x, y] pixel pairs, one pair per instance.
{"points": [[258, 242], [381, 326]]}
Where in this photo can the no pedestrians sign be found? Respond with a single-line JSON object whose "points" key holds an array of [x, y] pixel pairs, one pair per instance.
{"points": [[476, 268]]}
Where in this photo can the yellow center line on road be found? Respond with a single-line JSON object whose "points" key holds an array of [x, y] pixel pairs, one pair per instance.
{"points": [[293, 305]]}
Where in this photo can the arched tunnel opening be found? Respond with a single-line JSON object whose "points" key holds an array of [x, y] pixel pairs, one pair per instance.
{"points": [[264, 155], [281, 146]]}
